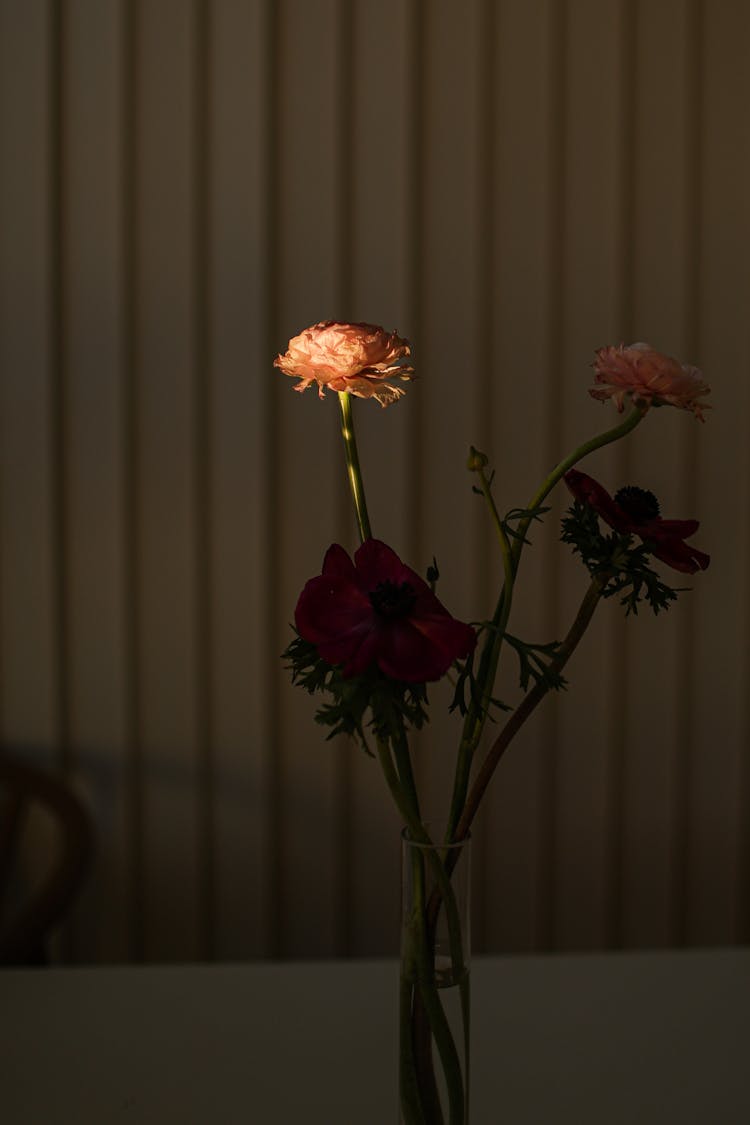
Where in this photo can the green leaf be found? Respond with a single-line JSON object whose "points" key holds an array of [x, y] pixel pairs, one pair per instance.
{"points": [[625, 564], [534, 663], [357, 704], [517, 515], [467, 681]]}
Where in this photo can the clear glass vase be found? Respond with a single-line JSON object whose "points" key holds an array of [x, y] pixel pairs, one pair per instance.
{"points": [[434, 1009]]}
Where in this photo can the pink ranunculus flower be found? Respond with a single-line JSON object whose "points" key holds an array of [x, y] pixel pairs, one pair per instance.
{"points": [[376, 611], [649, 378], [362, 359]]}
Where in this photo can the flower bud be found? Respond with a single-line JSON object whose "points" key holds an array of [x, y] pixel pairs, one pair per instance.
{"points": [[476, 460]]}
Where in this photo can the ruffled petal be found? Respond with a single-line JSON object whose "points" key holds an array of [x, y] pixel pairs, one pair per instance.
{"points": [[362, 359], [649, 378]]}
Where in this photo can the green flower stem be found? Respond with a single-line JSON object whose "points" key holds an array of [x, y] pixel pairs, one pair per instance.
{"points": [[418, 976], [530, 701], [526, 707], [353, 470], [488, 663], [477, 710], [419, 962], [419, 834], [406, 774], [400, 781], [409, 1095], [637, 414], [505, 548]]}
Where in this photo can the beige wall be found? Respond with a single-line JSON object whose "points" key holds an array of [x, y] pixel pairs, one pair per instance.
{"points": [[184, 185]]}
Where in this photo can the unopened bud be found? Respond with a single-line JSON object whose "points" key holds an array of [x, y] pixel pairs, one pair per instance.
{"points": [[476, 460]]}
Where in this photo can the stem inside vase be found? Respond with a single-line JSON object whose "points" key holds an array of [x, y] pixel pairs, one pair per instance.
{"points": [[435, 984]]}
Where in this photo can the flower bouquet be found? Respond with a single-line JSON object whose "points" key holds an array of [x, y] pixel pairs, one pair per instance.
{"points": [[371, 633]]}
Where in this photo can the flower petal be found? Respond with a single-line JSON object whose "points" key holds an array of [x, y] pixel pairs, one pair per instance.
{"points": [[683, 529], [376, 562], [664, 539], [418, 651], [333, 609], [337, 562], [649, 378], [679, 555], [589, 491], [336, 612], [362, 359]]}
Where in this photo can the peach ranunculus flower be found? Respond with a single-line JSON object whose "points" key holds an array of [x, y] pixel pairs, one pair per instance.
{"points": [[362, 359], [649, 377]]}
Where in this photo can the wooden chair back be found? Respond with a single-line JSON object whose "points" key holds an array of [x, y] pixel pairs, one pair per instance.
{"points": [[26, 926]]}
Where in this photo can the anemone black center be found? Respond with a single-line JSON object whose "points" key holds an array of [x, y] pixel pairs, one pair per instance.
{"points": [[640, 504], [391, 599]]}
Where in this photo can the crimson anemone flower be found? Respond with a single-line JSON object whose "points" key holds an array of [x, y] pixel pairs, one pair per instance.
{"points": [[635, 511], [377, 610]]}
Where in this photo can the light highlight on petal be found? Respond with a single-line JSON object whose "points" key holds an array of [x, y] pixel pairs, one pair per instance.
{"points": [[649, 378], [361, 359]]}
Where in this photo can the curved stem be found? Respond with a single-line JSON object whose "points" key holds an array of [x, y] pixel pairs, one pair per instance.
{"points": [[488, 663], [353, 470], [477, 710], [530, 702], [419, 835], [637, 414]]}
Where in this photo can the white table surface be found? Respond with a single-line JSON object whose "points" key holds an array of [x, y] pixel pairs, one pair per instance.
{"points": [[612, 1039]]}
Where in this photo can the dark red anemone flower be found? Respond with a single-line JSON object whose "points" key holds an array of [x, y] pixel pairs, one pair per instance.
{"points": [[635, 511], [376, 610]]}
